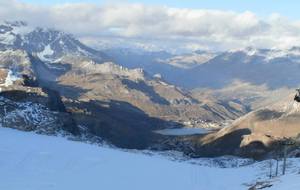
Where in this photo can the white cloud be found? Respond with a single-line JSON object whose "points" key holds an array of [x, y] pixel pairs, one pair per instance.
{"points": [[159, 24]]}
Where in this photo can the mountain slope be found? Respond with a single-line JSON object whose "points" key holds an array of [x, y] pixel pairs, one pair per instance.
{"points": [[258, 132], [125, 106], [150, 94]]}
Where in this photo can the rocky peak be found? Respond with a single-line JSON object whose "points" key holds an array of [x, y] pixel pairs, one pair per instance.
{"points": [[48, 44]]}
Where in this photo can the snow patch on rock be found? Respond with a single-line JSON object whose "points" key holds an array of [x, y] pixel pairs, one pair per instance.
{"points": [[291, 108], [45, 54], [10, 79]]}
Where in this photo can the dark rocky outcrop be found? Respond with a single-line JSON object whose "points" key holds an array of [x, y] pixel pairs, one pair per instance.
{"points": [[29, 111]]}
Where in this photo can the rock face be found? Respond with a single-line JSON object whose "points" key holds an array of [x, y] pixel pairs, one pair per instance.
{"points": [[30, 116], [30, 109]]}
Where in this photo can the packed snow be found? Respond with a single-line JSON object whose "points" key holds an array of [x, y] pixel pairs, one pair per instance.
{"points": [[33, 162], [287, 182]]}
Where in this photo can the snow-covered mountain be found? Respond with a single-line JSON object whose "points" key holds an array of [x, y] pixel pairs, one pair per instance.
{"points": [[189, 61], [274, 68], [48, 44], [11, 33]]}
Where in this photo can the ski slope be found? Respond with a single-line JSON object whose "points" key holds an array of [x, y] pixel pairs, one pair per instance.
{"points": [[36, 162]]}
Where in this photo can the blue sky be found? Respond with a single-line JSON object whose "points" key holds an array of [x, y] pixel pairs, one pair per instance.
{"points": [[288, 8]]}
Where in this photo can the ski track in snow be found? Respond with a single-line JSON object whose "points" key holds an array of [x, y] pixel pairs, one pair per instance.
{"points": [[34, 162]]}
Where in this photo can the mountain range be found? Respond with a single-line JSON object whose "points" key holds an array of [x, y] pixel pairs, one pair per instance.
{"points": [[123, 106], [274, 68], [51, 83]]}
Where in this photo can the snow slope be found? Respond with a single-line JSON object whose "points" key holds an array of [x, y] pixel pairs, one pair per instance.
{"points": [[34, 162], [288, 182]]}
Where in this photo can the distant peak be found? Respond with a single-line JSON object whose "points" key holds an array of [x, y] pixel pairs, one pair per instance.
{"points": [[16, 23]]}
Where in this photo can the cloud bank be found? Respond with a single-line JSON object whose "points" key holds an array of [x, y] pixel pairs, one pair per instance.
{"points": [[160, 25]]}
